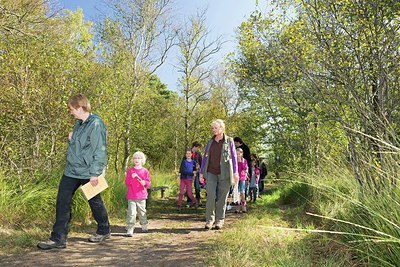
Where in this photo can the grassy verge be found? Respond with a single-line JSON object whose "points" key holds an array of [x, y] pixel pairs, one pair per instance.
{"points": [[27, 214], [264, 237], [261, 238]]}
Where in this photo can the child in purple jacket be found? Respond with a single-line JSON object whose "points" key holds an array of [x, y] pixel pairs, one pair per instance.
{"points": [[137, 181]]}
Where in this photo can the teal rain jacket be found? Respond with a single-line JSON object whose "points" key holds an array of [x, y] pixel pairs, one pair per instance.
{"points": [[87, 153]]}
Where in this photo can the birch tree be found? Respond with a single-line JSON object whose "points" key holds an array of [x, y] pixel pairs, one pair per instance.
{"points": [[136, 40], [196, 51]]}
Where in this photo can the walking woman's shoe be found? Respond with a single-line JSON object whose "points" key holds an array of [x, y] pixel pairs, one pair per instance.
{"points": [[208, 226], [218, 226], [129, 232]]}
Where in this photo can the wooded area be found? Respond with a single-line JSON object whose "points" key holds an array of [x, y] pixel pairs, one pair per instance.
{"points": [[49, 54], [325, 75], [312, 87]]}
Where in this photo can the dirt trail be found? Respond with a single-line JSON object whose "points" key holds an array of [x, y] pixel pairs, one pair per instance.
{"points": [[173, 240]]}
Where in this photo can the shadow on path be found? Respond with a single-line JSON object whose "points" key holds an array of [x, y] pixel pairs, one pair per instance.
{"points": [[174, 239]]}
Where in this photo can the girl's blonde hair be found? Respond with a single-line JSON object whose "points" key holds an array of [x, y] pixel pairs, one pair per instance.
{"points": [[239, 150], [139, 154], [220, 123]]}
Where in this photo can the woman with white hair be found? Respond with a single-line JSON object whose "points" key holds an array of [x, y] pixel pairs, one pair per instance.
{"points": [[219, 169]]}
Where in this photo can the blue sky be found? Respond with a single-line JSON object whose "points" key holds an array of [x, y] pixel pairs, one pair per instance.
{"points": [[222, 18]]}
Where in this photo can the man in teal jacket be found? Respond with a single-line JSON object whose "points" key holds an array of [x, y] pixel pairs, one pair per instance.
{"points": [[86, 161]]}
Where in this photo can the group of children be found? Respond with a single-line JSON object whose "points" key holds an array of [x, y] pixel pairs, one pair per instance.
{"points": [[138, 181], [247, 186]]}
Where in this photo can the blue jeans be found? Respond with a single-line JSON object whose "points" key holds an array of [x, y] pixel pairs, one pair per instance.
{"points": [[66, 191], [242, 186], [253, 193]]}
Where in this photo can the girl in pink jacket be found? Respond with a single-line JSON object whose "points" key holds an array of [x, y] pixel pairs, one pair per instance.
{"points": [[137, 181], [243, 176]]}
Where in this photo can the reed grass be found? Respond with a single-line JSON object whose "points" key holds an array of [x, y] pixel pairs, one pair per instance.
{"points": [[26, 210], [253, 242]]}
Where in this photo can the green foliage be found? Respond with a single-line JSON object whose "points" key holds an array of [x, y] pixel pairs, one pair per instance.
{"points": [[262, 238], [37, 74], [296, 194], [316, 79], [35, 203], [22, 207]]}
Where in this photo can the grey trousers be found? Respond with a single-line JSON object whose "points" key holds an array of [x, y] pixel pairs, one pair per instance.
{"points": [[217, 193], [136, 207]]}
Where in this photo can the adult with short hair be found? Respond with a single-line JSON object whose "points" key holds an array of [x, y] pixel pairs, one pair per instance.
{"points": [[86, 161], [219, 169], [246, 150]]}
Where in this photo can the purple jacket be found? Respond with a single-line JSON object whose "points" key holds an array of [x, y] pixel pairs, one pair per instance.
{"points": [[228, 151]]}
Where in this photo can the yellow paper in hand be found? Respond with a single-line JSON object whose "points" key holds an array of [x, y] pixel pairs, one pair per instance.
{"points": [[90, 191]]}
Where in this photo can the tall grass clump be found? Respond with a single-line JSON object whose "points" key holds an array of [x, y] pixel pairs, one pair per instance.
{"points": [[28, 205], [363, 218], [34, 203], [373, 223], [263, 237]]}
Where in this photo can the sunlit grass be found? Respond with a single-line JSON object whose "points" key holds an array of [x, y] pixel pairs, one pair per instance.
{"points": [[25, 210], [260, 238], [314, 222]]}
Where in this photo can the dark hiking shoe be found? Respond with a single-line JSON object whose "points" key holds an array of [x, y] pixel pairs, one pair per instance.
{"points": [[50, 244], [99, 238]]}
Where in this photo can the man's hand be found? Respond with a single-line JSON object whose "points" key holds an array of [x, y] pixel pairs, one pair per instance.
{"points": [[94, 180]]}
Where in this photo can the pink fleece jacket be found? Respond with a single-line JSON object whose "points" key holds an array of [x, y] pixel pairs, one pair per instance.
{"points": [[136, 191], [242, 169]]}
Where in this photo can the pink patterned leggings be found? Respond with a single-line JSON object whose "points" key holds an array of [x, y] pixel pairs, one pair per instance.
{"points": [[185, 183]]}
